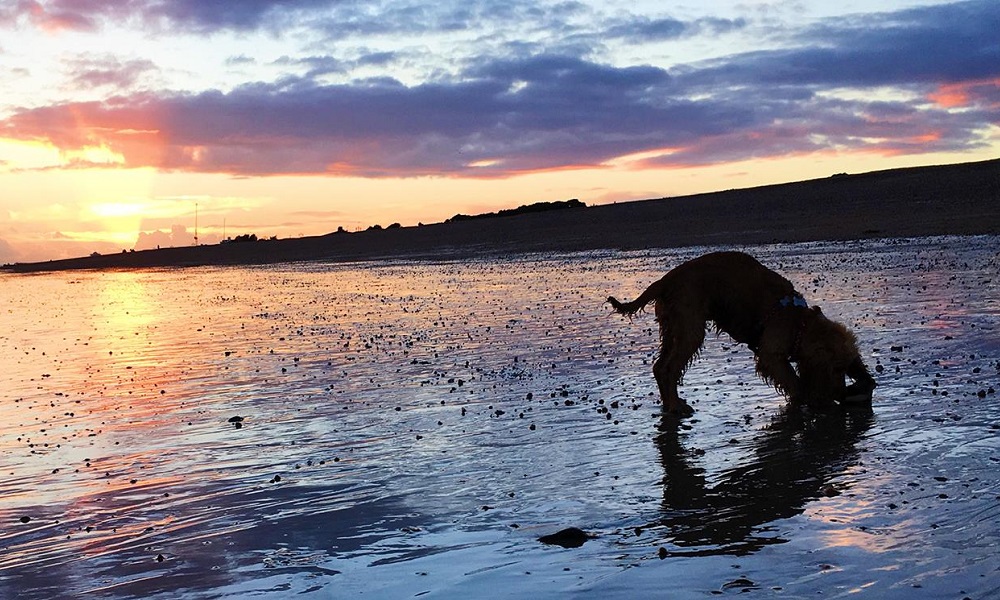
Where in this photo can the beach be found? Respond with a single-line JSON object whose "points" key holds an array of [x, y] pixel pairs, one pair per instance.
{"points": [[415, 428], [927, 201]]}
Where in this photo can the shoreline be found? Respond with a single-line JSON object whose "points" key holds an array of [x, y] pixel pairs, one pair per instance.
{"points": [[962, 199]]}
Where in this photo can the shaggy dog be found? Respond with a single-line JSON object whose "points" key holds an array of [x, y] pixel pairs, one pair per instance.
{"points": [[761, 309]]}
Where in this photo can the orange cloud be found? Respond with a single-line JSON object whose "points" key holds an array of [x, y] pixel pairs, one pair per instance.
{"points": [[93, 134], [967, 93]]}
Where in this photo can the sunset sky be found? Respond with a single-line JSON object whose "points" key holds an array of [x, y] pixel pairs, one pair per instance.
{"points": [[295, 117]]}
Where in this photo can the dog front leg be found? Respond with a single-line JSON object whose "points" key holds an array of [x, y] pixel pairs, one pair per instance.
{"points": [[860, 391], [863, 380], [780, 373]]}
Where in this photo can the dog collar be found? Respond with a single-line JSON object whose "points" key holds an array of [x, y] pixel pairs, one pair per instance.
{"points": [[793, 299]]}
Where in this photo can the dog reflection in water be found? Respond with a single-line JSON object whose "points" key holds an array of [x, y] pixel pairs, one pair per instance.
{"points": [[761, 309], [793, 461]]}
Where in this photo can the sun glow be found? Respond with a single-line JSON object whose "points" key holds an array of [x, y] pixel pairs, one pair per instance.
{"points": [[115, 210], [16, 154], [94, 155], [31, 155], [124, 237]]}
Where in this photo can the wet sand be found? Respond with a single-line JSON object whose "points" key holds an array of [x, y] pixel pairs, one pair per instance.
{"points": [[944, 200], [412, 428]]}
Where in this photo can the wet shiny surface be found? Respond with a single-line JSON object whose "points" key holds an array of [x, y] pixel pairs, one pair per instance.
{"points": [[413, 428]]}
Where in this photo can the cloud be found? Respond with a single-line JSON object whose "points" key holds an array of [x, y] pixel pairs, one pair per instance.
{"points": [[415, 17], [315, 66], [935, 44], [334, 20], [242, 59], [53, 247], [88, 72], [198, 16], [318, 214], [641, 29], [177, 236], [49, 16], [203, 16], [529, 111], [8, 254], [569, 111], [338, 18]]}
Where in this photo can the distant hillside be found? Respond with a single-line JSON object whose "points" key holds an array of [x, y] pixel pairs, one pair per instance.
{"points": [[537, 207], [961, 199]]}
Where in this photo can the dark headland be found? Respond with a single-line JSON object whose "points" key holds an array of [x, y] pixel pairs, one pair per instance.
{"points": [[961, 199]]}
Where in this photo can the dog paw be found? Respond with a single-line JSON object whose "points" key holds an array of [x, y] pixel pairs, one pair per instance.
{"points": [[680, 411], [859, 392]]}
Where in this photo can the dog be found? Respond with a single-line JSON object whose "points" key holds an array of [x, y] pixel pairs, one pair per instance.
{"points": [[757, 307]]}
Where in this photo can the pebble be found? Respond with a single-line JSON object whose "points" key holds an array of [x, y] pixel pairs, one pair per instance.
{"points": [[571, 537]]}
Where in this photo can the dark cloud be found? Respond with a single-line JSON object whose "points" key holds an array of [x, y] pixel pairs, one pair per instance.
{"points": [[338, 19], [641, 29], [376, 59], [210, 15], [937, 44], [416, 17], [534, 110], [314, 66], [193, 15], [317, 66], [548, 112]]}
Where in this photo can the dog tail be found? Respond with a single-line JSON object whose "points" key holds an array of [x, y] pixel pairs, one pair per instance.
{"points": [[628, 309]]}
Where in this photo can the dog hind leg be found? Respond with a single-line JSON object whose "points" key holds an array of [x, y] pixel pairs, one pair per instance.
{"points": [[680, 341]]}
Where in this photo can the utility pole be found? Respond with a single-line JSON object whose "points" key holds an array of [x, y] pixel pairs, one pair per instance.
{"points": [[195, 223]]}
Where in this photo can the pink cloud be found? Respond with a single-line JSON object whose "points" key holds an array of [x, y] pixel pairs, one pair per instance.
{"points": [[984, 92], [55, 19]]}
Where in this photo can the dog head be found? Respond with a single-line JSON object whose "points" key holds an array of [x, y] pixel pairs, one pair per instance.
{"points": [[826, 352]]}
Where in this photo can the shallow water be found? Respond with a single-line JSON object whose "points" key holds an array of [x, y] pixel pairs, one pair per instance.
{"points": [[411, 429]]}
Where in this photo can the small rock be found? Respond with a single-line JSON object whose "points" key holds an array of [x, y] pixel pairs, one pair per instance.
{"points": [[739, 583], [571, 537]]}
